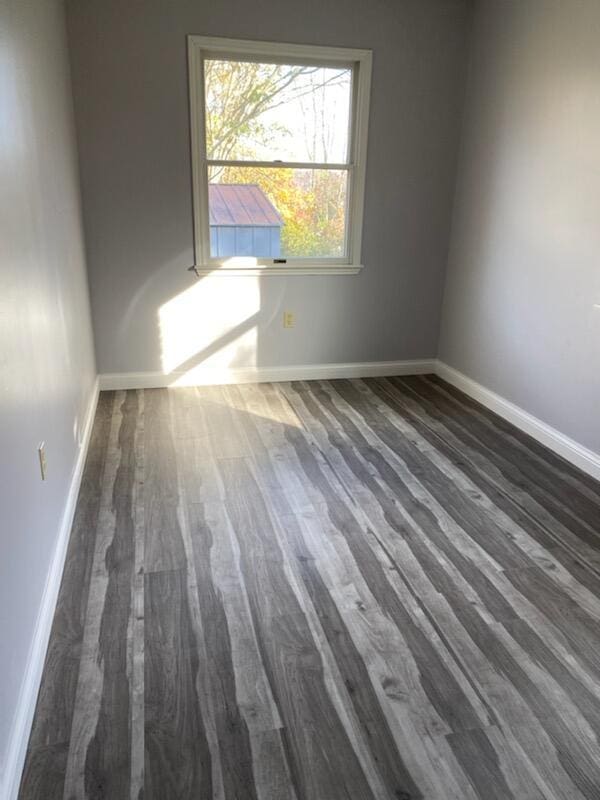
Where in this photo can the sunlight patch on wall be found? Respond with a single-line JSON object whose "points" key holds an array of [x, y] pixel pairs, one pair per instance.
{"points": [[211, 325]]}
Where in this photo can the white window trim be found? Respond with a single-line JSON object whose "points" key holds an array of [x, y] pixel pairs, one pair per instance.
{"points": [[200, 47]]}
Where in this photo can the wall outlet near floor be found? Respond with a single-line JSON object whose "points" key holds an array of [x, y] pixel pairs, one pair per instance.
{"points": [[289, 319], [42, 457]]}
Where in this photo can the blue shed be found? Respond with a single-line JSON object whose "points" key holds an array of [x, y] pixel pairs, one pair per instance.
{"points": [[243, 221]]}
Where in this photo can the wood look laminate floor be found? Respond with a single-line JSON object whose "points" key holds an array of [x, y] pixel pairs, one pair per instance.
{"points": [[321, 591]]}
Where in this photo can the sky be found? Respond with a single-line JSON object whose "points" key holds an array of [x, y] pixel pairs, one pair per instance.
{"points": [[310, 125]]}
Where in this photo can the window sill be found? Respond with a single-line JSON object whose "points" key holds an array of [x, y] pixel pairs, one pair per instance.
{"points": [[313, 269]]}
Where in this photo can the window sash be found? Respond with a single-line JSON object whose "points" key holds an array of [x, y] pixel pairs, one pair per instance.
{"points": [[202, 48], [226, 162]]}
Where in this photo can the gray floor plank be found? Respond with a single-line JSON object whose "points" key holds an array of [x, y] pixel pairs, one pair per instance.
{"points": [[177, 754], [327, 590]]}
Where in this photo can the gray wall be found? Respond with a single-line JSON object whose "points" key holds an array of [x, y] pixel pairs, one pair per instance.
{"points": [[524, 267], [131, 100], [46, 356]]}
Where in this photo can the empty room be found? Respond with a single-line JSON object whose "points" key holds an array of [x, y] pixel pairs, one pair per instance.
{"points": [[300, 400]]}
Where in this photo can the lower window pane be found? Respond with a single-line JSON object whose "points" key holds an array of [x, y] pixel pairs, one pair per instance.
{"points": [[277, 212]]}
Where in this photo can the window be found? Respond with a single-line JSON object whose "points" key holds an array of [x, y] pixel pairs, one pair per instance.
{"points": [[279, 140]]}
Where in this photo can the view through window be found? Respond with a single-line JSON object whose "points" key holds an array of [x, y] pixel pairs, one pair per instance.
{"points": [[279, 112], [279, 156]]}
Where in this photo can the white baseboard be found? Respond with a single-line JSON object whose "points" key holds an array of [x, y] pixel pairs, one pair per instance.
{"points": [[23, 719], [587, 460], [569, 449], [205, 376]]}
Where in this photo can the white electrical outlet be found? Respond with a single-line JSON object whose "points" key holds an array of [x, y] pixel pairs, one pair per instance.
{"points": [[42, 457], [289, 319]]}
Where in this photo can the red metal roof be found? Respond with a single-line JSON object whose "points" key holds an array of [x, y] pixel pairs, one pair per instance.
{"points": [[240, 204]]}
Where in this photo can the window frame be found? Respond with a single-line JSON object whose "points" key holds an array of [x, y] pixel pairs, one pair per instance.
{"points": [[205, 47]]}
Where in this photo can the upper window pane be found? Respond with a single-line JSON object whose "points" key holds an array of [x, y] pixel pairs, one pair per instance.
{"points": [[270, 112]]}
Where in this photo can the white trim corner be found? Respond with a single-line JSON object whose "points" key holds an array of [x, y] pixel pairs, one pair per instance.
{"points": [[574, 452]]}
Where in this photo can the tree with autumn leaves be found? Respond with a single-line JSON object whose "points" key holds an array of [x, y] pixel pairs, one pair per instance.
{"points": [[311, 203]]}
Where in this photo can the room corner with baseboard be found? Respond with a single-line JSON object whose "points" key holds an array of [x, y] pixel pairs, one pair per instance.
{"points": [[299, 336], [520, 316]]}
